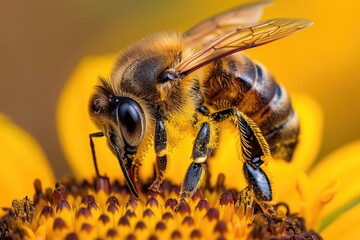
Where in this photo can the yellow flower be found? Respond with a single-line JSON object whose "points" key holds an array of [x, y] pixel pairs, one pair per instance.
{"points": [[324, 194], [22, 160]]}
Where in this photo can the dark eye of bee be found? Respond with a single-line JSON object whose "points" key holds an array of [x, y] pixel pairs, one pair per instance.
{"points": [[129, 118], [131, 121]]}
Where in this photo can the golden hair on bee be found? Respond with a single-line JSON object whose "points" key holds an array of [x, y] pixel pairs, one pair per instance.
{"points": [[167, 44], [189, 83], [138, 67]]}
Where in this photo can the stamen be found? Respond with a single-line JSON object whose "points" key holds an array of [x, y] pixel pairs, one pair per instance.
{"points": [[176, 235], [202, 205], [221, 227], [226, 198], [86, 227], [103, 183], [104, 219], [130, 214], [171, 202], [88, 199], [59, 223], [148, 213], [197, 195], [112, 208], [131, 204], [167, 216], [213, 214], [112, 233], [72, 236], [62, 205], [83, 212], [92, 205], [140, 225], [59, 193], [195, 234], [184, 208], [160, 226], [113, 200], [153, 237], [152, 202], [118, 214], [131, 236], [189, 221], [47, 212], [124, 221]]}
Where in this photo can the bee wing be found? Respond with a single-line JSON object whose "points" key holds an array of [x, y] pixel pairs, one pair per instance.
{"points": [[240, 39], [218, 24]]}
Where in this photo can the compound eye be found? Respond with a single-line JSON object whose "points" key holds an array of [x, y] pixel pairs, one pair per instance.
{"points": [[131, 122]]}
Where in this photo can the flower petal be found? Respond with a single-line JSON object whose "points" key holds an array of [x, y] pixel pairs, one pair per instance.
{"points": [[286, 174], [342, 166], [22, 160], [311, 130], [74, 124], [345, 226]]}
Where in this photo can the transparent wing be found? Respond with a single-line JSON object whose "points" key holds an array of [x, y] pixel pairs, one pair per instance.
{"points": [[240, 39], [217, 25]]}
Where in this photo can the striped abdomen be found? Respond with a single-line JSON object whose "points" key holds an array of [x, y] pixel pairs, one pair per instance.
{"points": [[238, 81]]}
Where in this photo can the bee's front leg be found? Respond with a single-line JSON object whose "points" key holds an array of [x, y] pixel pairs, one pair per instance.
{"points": [[197, 168], [161, 158], [92, 146]]}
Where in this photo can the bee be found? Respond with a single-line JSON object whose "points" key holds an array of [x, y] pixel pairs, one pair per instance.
{"points": [[203, 78]]}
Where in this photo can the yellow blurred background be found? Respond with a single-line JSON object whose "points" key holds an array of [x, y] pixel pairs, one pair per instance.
{"points": [[42, 41]]}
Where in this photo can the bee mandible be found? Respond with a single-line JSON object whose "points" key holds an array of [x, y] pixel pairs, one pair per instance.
{"points": [[202, 76]]}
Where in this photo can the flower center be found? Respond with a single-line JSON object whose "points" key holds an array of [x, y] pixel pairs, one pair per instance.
{"points": [[100, 209]]}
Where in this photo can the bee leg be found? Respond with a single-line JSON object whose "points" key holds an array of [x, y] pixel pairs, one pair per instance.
{"points": [[196, 171], [258, 180], [203, 110], [161, 158], [255, 151], [92, 146]]}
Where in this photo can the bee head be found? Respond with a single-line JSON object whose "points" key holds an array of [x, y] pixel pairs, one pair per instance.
{"points": [[121, 116], [123, 122]]}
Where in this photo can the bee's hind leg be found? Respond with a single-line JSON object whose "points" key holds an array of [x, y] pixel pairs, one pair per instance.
{"points": [[255, 152], [161, 158], [196, 171]]}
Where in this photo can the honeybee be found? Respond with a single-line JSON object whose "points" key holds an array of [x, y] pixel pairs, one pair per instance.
{"points": [[202, 78]]}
